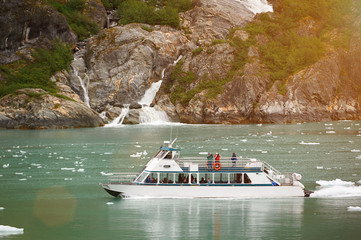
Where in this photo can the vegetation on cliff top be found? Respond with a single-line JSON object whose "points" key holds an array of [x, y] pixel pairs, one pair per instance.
{"points": [[285, 47], [73, 11], [36, 73], [288, 48], [153, 12]]}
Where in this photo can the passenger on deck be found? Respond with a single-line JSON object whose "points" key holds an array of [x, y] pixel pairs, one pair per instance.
{"points": [[202, 180], [217, 157], [147, 180], [154, 180], [234, 159], [208, 181], [210, 160]]}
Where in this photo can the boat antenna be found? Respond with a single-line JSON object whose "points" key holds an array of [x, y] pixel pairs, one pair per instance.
{"points": [[171, 133]]}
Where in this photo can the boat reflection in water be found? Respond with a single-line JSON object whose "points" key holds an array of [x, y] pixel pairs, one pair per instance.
{"points": [[209, 218]]}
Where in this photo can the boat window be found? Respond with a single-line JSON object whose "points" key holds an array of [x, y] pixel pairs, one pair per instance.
{"points": [[169, 155], [220, 178], [236, 178], [142, 177], [176, 155], [165, 178], [194, 178], [247, 179], [153, 177], [180, 178], [203, 177]]}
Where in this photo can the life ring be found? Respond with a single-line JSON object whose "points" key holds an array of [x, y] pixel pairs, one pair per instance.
{"points": [[217, 166]]}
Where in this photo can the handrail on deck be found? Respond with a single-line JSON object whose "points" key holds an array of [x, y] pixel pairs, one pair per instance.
{"points": [[122, 177], [203, 162]]}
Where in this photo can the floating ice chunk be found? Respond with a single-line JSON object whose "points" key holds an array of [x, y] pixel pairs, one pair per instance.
{"points": [[68, 179], [110, 203], [319, 167], [136, 154], [106, 174], [145, 153], [353, 209], [23, 179], [67, 169], [108, 153], [2, 208], [6, 165], [309, 143], [225, 149], [203, 153], [330, 132], [7, 230], [81, 170], [137, 146], [355, 150], [19, 173]]}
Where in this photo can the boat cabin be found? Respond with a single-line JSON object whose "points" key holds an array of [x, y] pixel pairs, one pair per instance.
{"points": [[167, 168]]}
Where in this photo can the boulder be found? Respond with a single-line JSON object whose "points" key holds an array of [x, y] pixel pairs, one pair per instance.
{"points": [[95, 11], [36, 109], [30, 24]]}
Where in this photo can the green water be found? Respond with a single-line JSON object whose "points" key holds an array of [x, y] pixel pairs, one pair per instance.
{"points": [[49, 183]]}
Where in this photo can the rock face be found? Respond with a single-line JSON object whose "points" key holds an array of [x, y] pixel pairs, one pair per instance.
{"points": [[29, 23], [95, 10], [326, 90], [211, 19], [120, 63], [36, 109]]}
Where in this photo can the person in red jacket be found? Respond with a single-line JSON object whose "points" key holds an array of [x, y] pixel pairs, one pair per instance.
{"points": [[217, 157]]}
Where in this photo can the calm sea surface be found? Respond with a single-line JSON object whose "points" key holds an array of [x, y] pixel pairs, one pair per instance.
{"points": [[49, 183]]}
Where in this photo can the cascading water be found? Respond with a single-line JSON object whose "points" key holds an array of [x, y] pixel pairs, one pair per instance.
{"points": [[150, 115], [257, 6], [118, 121], [84, 86]]}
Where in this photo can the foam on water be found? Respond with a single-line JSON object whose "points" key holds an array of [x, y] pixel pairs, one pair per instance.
{"points": [[7, 230], [353, 209], [336, 189], [309, 143]]}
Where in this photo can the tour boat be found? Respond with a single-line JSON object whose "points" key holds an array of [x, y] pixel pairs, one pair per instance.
{"points": [[167, 175]]}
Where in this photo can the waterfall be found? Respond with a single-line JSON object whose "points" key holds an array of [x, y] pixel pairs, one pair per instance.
{"points": [[150, 115], [257, 6], [118, 121], [83, 86], [176, 61]]}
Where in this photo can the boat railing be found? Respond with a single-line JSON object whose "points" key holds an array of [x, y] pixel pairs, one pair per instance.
{"points": [[269, 169], [122, 177], [205, 163]]}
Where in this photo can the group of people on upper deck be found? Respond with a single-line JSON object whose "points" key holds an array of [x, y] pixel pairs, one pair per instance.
{"points": [[217, 159]]}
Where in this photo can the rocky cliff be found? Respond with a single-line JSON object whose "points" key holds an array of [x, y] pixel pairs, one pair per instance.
{"points": [[212, 68]]}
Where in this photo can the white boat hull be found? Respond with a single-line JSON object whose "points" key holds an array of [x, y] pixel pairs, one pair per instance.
{"points": [[197, 191]]}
